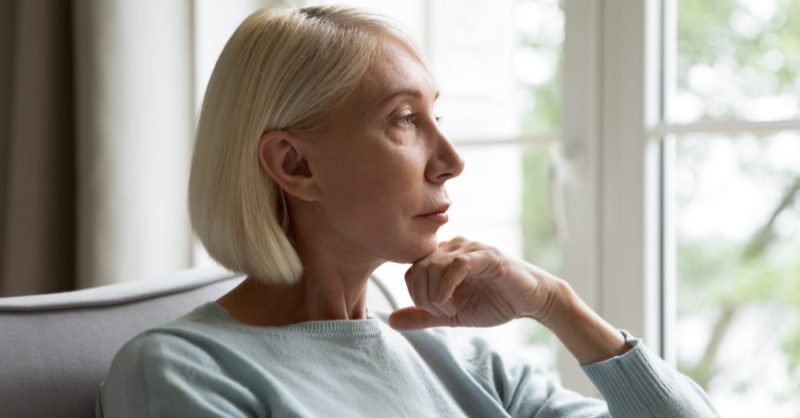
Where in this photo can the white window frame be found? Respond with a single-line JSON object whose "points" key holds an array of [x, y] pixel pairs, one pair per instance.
{"points": [[618, 159], [611, 166]]}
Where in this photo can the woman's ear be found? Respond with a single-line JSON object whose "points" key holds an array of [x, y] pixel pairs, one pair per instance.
{"points": [[281, 157]]}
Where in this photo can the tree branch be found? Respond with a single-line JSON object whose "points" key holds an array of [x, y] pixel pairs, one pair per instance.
{"points": [[705, 369], [766, 234]]}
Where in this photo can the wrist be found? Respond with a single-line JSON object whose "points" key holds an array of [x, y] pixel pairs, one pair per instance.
{"points": [[548, 298], [584, 333], [559, 303]]}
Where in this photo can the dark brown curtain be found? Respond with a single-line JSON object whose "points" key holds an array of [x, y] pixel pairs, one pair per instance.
{"points": [[37, 148]]}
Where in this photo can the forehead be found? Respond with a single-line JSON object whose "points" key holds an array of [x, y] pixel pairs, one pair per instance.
{"points": [[395, 68]]}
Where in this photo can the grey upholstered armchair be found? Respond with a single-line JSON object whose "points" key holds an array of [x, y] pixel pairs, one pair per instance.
{"points": [[55, 349]]}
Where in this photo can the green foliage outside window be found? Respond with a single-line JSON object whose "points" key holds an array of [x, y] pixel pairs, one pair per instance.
{"points": [[720, 278]]}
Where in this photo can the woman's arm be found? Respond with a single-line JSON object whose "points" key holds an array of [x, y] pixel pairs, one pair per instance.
{"points": [[583, 332], [465, 283]]}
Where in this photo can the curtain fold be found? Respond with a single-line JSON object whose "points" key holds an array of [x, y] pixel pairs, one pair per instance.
{"points": [[135, 123], [38, 143], [96, 121]]}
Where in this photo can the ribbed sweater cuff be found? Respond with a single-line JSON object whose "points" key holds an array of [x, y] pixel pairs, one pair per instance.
{"points": [[633, 383]]}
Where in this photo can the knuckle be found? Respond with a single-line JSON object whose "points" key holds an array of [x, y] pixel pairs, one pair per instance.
{"points": [[422, 264], [476, 246], [457, 241], [459, 261], [493, 251], [438, 265]]}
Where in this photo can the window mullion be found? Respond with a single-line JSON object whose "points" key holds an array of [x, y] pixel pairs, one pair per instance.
{"points": [[524, 140], [724, 127], [630, 243], [578, 176]]}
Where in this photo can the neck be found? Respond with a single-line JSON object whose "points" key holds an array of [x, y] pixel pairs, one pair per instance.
{"points": [[320, 294], [333, 286]]}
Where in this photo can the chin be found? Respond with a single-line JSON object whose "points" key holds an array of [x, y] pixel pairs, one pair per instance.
{"points": [[416, 250]]}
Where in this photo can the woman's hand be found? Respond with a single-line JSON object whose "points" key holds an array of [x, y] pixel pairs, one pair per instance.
{"points": [[466, 283]]}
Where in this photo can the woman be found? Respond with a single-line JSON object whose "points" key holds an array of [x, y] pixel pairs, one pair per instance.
{"points": [[317, 159]]}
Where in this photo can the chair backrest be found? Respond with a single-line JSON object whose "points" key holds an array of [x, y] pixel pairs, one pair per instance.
{"points": [[56, 348]]}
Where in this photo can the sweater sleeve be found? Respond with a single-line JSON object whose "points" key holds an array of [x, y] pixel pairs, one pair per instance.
{"points": [[163, 375], [636, 384], [640, 384], [522, 388]]}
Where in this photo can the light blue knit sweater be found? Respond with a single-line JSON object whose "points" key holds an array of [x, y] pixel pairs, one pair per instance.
{"points": [[208, 365]]}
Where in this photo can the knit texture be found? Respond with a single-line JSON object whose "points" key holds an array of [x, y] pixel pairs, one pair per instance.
{"points": [[206, 364]]}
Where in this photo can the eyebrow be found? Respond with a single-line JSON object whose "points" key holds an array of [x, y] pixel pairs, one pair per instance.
{"points": [[405, 92]]}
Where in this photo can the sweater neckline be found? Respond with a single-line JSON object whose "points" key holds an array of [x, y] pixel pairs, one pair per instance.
{"points": [[326, 328]]}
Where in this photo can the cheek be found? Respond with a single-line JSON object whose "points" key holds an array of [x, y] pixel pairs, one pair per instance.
{"points": [[360, 199], [376, 195], [371, 199], [378, 178]]}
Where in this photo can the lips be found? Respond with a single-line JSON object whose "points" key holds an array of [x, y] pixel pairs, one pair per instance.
{"points": [[437, 210]]}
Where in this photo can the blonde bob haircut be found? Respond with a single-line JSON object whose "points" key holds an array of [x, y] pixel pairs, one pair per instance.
{"points": [[282, 69]]}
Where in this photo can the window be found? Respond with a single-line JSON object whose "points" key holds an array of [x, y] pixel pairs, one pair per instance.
{"points": [[681, 125], [738, 275], [736, 181]]}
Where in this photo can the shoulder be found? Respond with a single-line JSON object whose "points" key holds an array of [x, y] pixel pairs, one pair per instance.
{"points": [[176, 365], [156, 356], [162, 344], [189, 338]]}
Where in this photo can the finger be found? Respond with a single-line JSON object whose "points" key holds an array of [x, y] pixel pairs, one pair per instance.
{"points": [[455, 243], [409, 285], [448, 307], [435, 272], [458, 240], [411, 317], [456, 272], [420, 279]]}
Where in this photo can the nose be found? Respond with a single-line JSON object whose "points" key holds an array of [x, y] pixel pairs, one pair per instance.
{"points": [[445, 163]]}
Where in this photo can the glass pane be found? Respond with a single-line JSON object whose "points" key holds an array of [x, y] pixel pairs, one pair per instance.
{"points": [[503, 199], [738, 241], [498, 66], [737, 59], [497, 63], [407, 13]]}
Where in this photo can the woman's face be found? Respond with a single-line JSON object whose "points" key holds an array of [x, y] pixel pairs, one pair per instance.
{"points": [[382, 163]]}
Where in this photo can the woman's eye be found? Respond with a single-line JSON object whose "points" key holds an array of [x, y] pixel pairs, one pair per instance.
{"points": [[405, 121]]}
